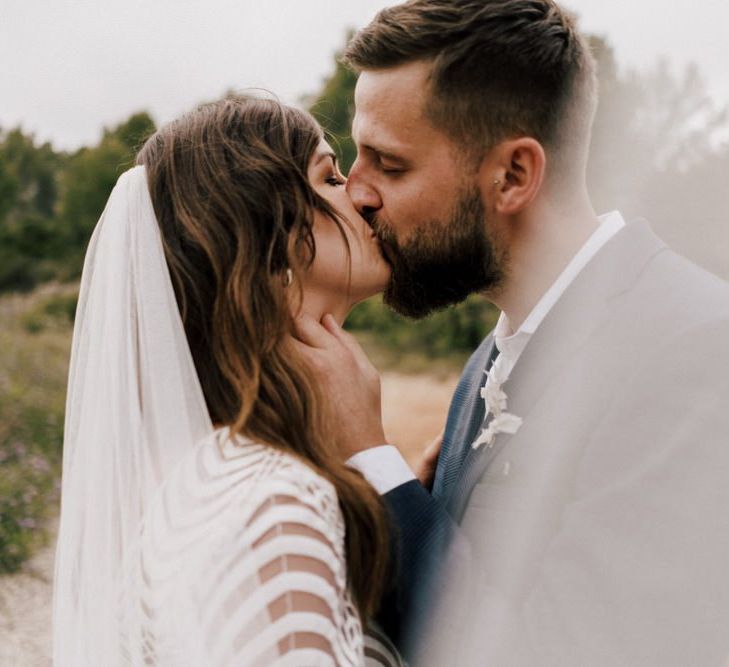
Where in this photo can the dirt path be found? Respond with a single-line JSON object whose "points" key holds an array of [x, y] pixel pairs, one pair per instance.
{"points": [[414, 409], [25, 613]]}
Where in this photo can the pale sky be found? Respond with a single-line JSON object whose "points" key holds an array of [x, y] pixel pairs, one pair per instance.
{"points": [[70, 67]]}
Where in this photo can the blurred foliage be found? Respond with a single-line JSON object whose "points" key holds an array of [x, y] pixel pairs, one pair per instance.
{"points": [[29, 237], [90, 176], [33, 370], [50, 202], [55, 312], [333, 107], [446, 333]]}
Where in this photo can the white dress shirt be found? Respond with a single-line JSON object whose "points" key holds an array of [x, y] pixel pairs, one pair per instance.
{"points": [[384, 467]]}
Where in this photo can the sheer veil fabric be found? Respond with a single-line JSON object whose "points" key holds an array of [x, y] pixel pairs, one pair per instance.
{"points": [[178, 544], [134, 408]]}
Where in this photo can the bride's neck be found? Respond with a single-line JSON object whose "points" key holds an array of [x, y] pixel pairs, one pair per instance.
{"points": [[317, 305]]}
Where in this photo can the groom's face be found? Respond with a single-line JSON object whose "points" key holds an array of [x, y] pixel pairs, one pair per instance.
{"points": [[423, 202]]}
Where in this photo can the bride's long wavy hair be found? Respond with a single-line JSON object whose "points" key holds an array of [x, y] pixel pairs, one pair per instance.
{"points": [[230, 190]]}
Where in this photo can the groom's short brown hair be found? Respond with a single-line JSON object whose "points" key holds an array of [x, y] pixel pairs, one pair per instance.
{"points": [[501, 68]]}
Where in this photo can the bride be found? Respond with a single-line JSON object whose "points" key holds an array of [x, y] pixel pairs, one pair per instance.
{"points": [[206, 519]]}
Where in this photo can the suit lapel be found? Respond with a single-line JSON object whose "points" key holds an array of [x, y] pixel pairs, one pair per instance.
{"points": [[478, 421], [581, 310], [464, 418]]}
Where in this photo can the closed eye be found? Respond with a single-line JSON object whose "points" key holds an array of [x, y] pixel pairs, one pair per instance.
{"points": [[391, 170], [335, 181]]}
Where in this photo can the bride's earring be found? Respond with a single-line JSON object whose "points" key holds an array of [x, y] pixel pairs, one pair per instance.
{"points": [[289, 278]]}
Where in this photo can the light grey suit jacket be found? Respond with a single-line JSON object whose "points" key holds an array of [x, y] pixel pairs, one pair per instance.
{"points": [[598, 534]]}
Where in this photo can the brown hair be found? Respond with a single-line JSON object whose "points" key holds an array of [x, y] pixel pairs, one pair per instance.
{"points": [[500, 68], [230, 190]]}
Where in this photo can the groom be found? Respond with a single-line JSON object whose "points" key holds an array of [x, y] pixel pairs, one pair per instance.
{"points": [[579, 513]]}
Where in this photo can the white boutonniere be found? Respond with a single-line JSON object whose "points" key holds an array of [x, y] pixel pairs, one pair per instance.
{"points": [[495, 401]]}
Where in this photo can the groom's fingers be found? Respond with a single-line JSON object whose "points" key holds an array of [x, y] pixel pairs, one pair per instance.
{"points": [[310, 332], [309, 353], [347, 340], [434, 446]]}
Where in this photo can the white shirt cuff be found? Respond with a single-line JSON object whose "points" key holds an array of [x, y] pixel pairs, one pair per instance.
{"points": [[383, 467]]}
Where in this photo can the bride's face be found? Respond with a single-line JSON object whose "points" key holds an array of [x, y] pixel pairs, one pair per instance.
{"points": [[329, 274]]}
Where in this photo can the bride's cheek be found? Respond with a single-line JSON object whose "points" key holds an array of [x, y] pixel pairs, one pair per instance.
{"points": [[330, 268]]}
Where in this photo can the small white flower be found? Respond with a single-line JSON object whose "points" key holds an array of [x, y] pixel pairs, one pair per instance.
{"points": [[494, 396], [495, 402], [504, 422]]}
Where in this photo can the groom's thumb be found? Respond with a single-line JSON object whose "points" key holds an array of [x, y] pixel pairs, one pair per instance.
{"points": [[346, 339]]}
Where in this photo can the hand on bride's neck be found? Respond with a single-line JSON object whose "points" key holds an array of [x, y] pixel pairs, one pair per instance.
{"points": [[316, 305]]}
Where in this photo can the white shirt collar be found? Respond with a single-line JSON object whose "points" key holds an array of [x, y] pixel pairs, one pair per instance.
{"points": [[513, 345]]}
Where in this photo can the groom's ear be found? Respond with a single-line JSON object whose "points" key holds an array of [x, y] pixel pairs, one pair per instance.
{"points": [[512, 173]]}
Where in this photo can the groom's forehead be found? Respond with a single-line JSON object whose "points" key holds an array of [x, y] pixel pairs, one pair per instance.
{"points": [[404, 86], [389, 105], [387, 131], [382, 138]]}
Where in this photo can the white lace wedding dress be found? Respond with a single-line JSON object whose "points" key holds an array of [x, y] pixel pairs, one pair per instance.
{"points": [[263, 537]]}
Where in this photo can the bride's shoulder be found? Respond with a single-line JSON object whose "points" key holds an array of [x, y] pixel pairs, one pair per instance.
{"points": [[229, 482], [259, 487], [261, 469], [237, 451]]}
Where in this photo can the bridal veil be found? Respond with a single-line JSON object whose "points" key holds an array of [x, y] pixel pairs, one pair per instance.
{"points": [[123, 432]]}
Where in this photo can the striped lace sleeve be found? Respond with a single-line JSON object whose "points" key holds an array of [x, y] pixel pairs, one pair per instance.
{"points": [[289, 568]]}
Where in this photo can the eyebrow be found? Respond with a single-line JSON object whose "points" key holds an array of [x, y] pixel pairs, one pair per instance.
{"points": [[385, 154], [324, 156], [367, 145]]}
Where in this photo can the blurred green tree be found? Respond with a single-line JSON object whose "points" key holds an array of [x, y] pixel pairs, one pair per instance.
{"points": [[88, 180], [28, 195], [50, 201], [333, 107], [8, 188]]}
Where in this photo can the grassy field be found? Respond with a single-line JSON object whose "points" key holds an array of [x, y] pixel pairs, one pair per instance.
{"points": [[35, 335]]}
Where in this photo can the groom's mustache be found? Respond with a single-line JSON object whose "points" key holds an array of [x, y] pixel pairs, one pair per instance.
{"points": [[370, 217], [388, 242], [382, 230]]}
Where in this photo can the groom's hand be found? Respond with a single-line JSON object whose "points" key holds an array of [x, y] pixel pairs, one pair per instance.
{"points": [[424, 467], [350, 384]]}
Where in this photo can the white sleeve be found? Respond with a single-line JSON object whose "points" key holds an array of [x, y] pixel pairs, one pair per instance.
{"points": [[281, 597], [383, 467]]}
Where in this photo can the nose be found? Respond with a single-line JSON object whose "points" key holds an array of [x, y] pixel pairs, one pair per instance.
{"points": [[364, 197]]}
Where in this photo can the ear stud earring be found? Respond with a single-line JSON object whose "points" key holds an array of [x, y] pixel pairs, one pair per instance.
{"points": [[289, 278]]}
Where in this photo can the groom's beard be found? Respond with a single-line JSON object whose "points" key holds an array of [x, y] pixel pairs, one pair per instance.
{"points": [[443, 262]]}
